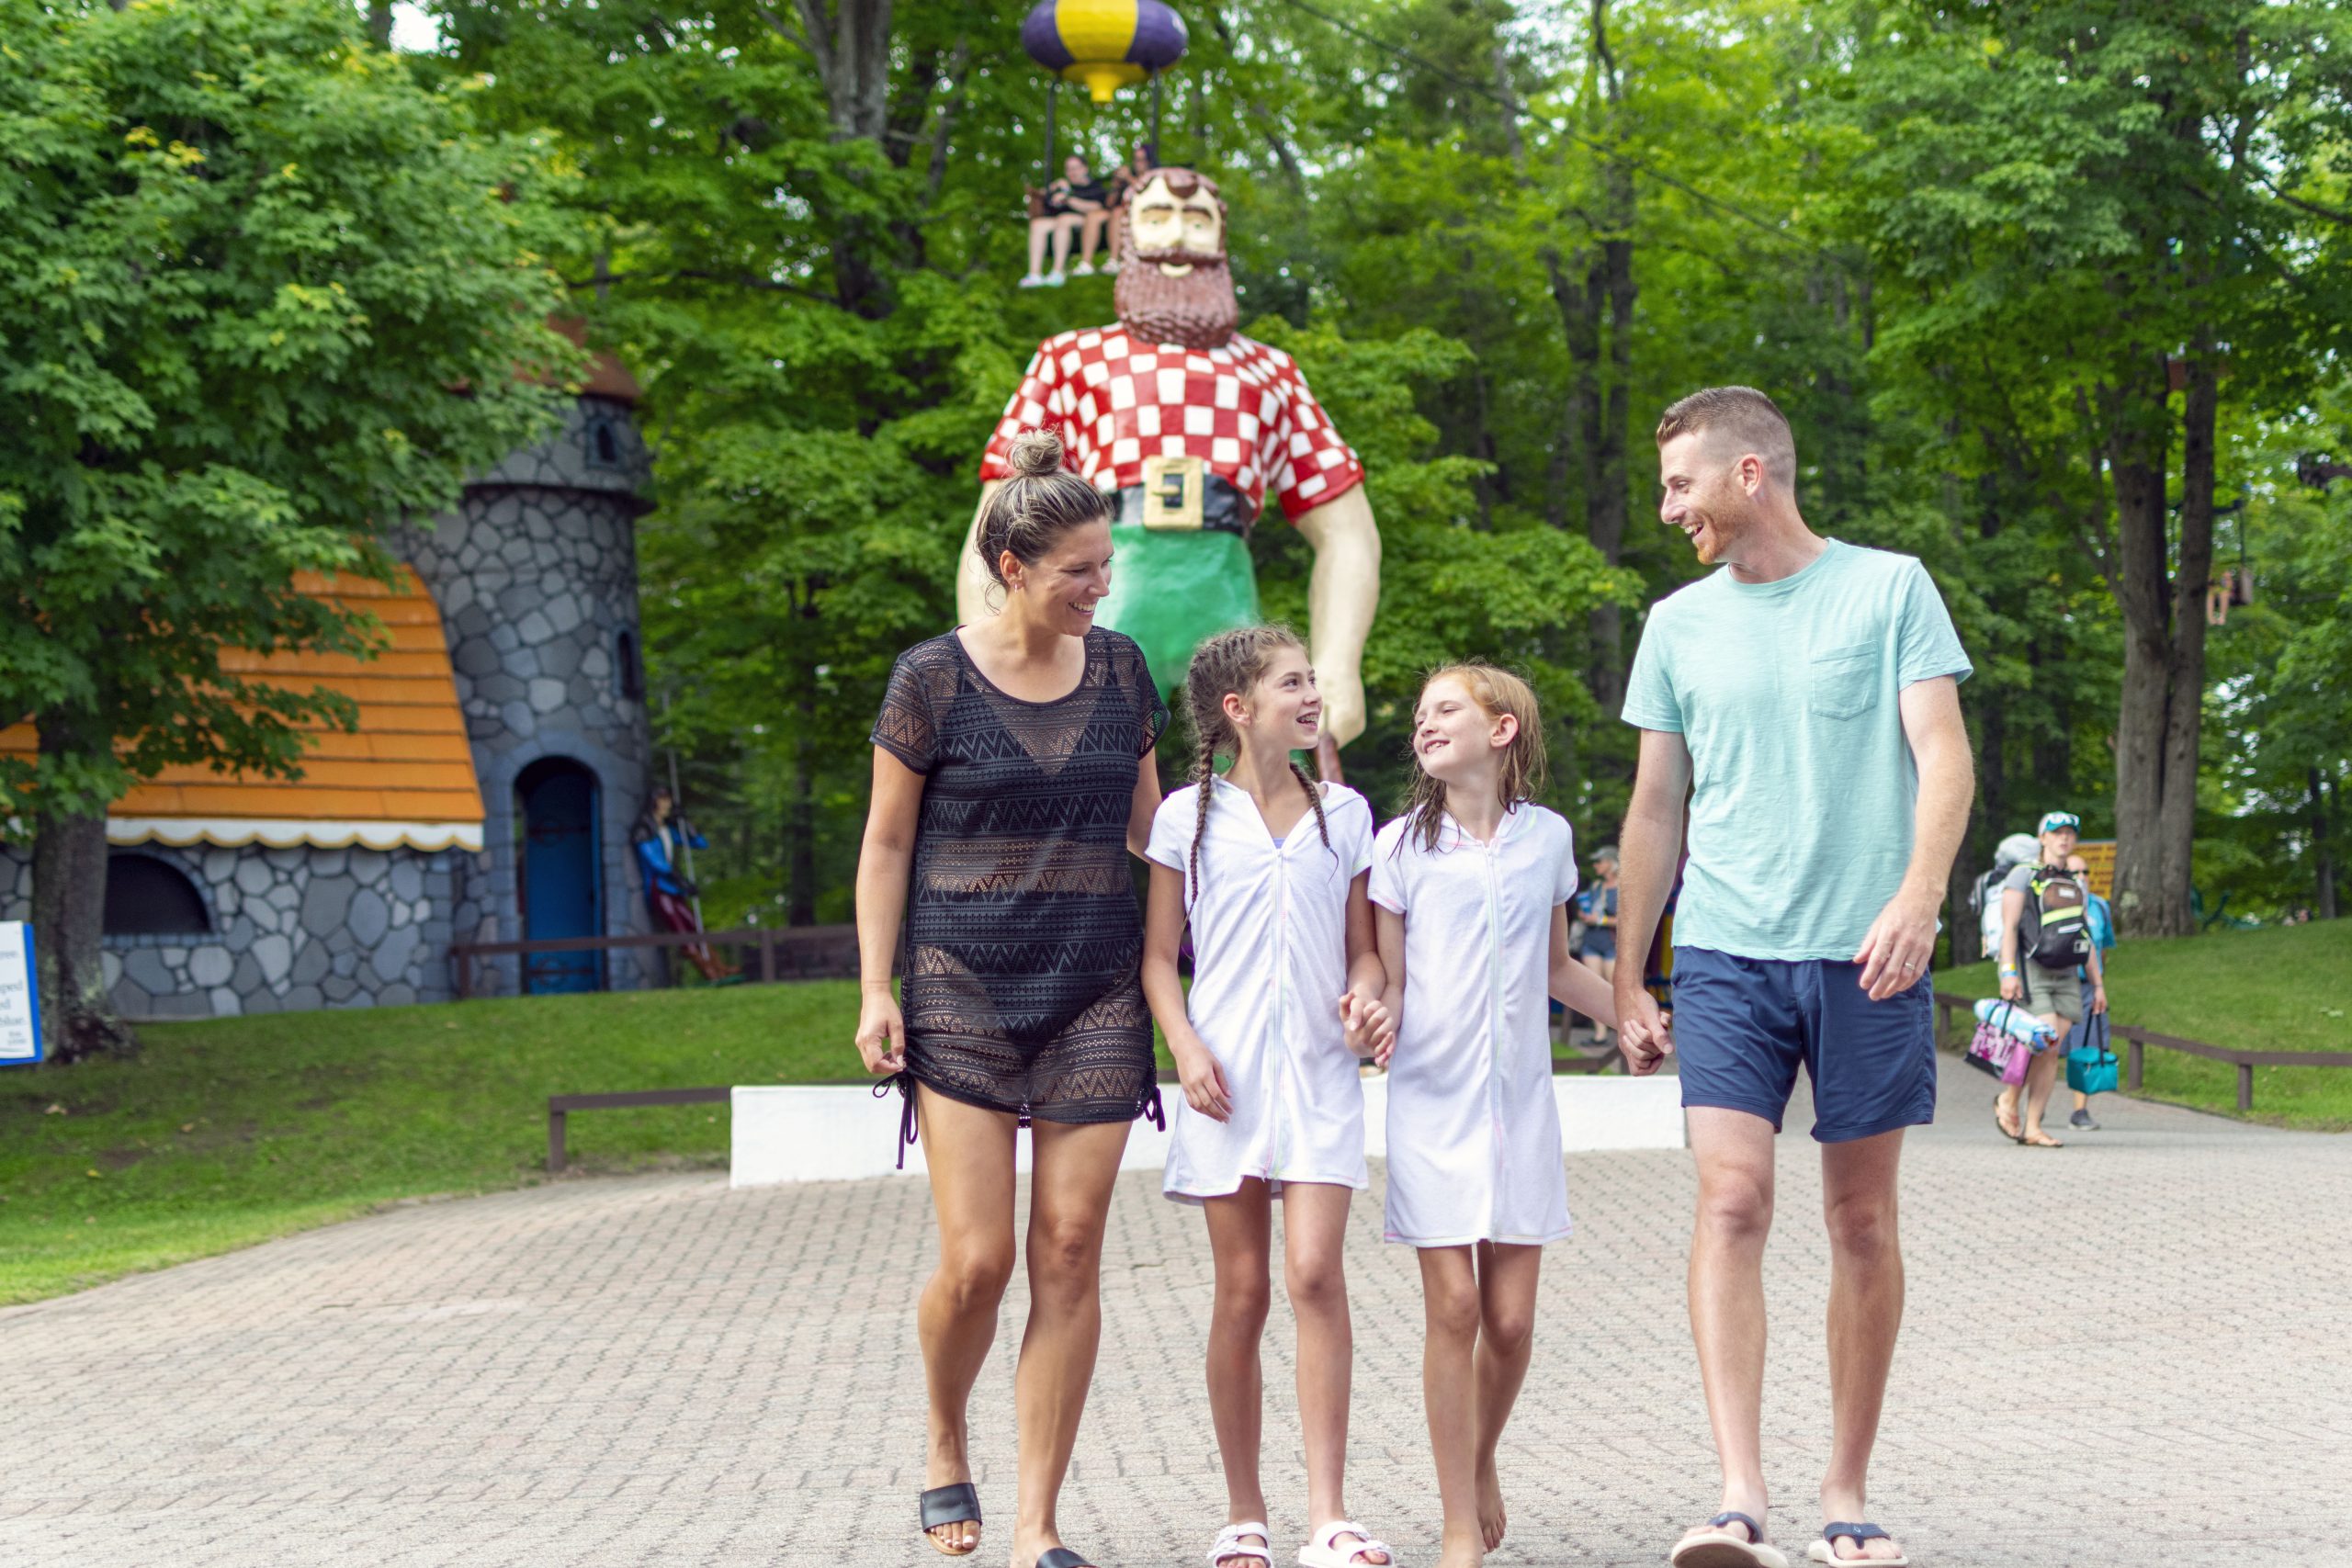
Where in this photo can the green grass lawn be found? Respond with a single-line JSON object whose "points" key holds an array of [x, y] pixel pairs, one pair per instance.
{"points": [[229, 1132], [2287, 988]]}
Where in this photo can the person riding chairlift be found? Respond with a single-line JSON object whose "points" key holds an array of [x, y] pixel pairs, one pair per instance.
{"points": [[1125, 180], [1075, 204]]}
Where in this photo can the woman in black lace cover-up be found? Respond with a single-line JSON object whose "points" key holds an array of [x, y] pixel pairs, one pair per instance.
{"points": [[1012, 778]]}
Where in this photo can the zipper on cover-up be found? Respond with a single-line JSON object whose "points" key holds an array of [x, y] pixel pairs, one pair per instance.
{"points": [[1494, 1022], [1282, 988]]}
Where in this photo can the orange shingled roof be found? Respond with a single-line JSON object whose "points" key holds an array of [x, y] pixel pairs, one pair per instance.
{"points": [[407, 763]]}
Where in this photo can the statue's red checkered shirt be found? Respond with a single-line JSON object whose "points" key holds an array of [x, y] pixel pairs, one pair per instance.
{"points": [[1243, 409]]}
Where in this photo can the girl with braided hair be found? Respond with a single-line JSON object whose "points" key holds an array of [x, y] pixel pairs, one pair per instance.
{"points": [[1470, 888], [1269, 868]]}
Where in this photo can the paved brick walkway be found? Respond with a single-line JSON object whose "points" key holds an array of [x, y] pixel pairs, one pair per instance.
{"points": [[2137, 1351]]}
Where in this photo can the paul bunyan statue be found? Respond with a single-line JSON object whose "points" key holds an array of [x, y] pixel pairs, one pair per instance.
{"points": [[1188, 423]]}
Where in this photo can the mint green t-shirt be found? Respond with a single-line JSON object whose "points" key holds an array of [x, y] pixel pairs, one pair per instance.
{"points": [[1803, 784]]}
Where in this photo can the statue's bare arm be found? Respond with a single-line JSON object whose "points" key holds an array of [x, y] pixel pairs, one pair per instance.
{"points": [[972, 582], [1341, 596]]}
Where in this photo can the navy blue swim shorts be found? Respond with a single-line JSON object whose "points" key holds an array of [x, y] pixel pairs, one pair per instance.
{"points": [[1742, 1027]]}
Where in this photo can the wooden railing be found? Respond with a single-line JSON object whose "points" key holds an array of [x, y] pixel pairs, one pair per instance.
{"points": [[765, 952], [2137, 1041]]}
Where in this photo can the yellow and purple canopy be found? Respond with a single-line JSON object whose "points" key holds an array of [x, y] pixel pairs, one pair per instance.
{"points": [[1106, 44]]}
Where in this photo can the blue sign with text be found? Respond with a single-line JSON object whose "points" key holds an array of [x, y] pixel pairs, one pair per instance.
{"points": [[20, 997]]}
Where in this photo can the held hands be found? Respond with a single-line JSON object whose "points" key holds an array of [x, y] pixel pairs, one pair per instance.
{"points": [[2012, 986], [1202, 1079], [1896, 951], [1370, 1029], [1644, 1033], [881, 1032], [2099, 998]]}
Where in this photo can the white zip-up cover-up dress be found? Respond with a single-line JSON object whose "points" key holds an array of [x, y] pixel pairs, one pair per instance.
{"points": [[1474, 1135], [1270, 961]]}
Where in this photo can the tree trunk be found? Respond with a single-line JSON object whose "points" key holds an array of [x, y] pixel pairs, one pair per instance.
{"points": [[1609, 290], [379, 22], [77, 1015], [851, 46], [2163, 647], [2324, 846], [1608, 503], [800, 874]]}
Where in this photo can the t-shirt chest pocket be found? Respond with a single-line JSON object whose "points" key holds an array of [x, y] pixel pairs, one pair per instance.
{"points": [[1844, 680]]}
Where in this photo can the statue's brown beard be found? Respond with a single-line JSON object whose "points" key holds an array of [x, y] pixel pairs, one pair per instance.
{"points": [[1198, 310]]}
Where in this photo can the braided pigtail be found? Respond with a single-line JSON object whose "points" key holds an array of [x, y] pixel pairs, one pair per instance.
{"points": [[1315, 799], [1203, 785]]}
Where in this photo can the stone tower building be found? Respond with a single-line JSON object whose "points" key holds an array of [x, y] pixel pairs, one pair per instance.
{"points": [[503, 751], [535, 574]]}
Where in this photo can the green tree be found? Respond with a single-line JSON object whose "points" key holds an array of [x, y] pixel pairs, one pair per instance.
{"points": [[259, 294], [819, 423], [2100, 223]]}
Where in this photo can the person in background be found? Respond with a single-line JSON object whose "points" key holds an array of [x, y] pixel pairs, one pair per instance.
{"points": [[2016, 850], [1598, 909], [658, 836], [2047, 893], [2102, 928], [1075, 204], [1125, 180]]}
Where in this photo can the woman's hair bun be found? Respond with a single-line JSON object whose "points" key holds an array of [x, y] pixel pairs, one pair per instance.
{"points": [[1034, 452]]}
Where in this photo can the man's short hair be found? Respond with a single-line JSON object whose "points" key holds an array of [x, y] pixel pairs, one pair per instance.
{"points": [[1740, 419]]}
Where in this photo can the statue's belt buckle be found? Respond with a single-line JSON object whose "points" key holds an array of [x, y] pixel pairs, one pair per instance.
{"points": [[1172, 491]]}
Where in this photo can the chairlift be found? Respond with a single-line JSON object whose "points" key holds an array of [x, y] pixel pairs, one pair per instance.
{"points": [[2234, 589], [1106, 45]]}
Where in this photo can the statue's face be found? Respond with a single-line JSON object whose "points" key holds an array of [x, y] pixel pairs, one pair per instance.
{"points": [[1174, 285], [1165, 222]]}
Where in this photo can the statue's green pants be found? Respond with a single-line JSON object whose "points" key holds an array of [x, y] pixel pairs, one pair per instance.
{"points": [[1170, 589]]}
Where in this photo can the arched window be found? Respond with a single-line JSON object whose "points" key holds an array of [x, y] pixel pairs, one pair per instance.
{"points": [[604, 438], [630, 667], [146, 898]]}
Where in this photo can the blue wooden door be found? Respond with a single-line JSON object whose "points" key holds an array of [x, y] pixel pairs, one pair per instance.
{"points": [[560, 873]]}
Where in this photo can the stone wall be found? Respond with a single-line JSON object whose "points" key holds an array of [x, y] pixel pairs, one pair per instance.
{"points": [[535, 574], [292, 929]]}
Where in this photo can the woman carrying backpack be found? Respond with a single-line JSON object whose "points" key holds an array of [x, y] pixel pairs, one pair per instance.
{"points": [[2045, 935]]}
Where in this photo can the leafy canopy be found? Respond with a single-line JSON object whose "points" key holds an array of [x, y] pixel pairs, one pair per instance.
{"points": [[260, 295]]}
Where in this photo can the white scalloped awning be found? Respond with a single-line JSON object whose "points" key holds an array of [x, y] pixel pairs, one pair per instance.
{"points": [[286, 833]]}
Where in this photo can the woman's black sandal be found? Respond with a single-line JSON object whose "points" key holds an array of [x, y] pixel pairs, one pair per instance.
{"points": [[1061, 1557], [956, 1503]]}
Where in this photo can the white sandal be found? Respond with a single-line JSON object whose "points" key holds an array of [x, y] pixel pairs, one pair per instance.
{"points": [[1228, 1544], [1319, 1552]]}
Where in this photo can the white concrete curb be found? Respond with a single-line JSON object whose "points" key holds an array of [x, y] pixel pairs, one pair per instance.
{"points": [[830, 1133]]}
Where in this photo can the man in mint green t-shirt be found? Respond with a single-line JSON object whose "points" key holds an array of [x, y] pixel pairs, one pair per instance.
{"points": [[1804, 698]]}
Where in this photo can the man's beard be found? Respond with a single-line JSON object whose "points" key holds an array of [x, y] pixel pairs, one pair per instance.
{"points": [[1197, 311], [1726, 522]]}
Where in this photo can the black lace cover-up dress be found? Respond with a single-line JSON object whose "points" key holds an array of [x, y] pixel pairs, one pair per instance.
{"points": [[1023, 946]]}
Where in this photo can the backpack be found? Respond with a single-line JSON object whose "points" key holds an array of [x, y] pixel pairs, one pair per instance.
{"points": [[2055, 931], [1985, 899]]}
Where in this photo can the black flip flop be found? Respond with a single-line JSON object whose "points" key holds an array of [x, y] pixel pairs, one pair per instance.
{"points": [[2016, 1137], [1061, 1557], [956, 1503], [1826, 1549]]}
